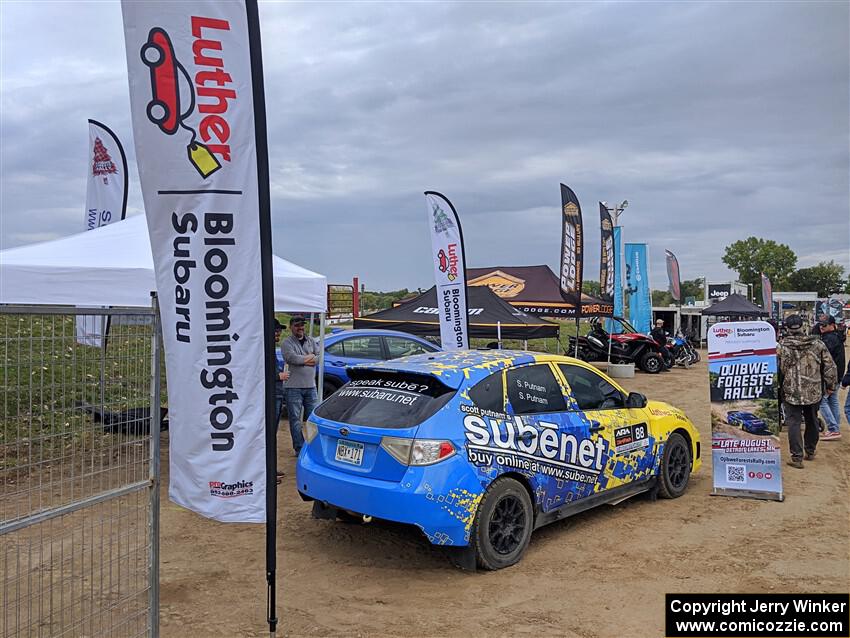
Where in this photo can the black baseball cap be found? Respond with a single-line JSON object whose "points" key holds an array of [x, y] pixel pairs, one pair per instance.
{"points": [[278, 325], [297, 321], [794, 321], [827, 321]]}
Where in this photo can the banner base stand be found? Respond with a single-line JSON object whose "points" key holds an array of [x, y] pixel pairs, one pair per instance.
{"points": [[762, 496]]}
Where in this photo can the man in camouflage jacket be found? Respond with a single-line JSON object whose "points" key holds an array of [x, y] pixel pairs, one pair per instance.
{"points": [[808, 374]]}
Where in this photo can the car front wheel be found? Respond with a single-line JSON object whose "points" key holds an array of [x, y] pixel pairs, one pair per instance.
{"points": [[503, 524], [675, 467]]}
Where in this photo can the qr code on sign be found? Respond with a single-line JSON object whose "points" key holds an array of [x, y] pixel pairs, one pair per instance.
{"points": [[736, 473]]}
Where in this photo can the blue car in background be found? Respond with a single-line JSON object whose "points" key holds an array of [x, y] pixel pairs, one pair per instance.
{"points": [[748, 423], [351, 347]]}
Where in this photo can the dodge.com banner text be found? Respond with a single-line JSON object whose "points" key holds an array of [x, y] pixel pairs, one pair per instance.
{"points": [[744, 409], [191, 91], [449, 271]]}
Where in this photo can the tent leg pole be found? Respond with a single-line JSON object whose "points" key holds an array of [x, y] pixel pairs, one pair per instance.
{"points": [[525, 344], [576, 352], [499, 333], [320, 383]]}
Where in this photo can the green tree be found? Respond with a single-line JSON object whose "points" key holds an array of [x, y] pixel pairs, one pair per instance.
{"points": [[690, 288], [372, 301], [826, 278], [591, 287], [693, 288], [661, 298], [752, 256]]}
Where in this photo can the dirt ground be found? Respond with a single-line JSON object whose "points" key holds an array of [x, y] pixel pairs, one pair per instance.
{"points": [[601, 573]]}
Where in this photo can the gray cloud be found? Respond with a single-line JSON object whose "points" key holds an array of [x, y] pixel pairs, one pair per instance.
{"points": [[716, 120]]}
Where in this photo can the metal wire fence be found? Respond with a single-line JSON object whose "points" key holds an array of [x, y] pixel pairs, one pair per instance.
{"points": [[79, 473]]}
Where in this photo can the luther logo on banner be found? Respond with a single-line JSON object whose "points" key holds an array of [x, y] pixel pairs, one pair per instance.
{"points": [[173, 95], [449, 271], [198, 147]]}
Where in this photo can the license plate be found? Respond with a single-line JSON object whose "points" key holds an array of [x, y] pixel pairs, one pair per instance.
{"points": [[349, 452]]}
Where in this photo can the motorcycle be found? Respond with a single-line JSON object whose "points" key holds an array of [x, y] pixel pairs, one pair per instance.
{"points": [[628, 346], [689, 346], [678, 347]]}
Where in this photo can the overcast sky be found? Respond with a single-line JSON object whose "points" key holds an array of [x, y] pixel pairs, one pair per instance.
{"points": [[715, 120]]}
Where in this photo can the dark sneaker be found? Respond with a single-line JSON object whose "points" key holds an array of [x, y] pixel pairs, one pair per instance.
{"points": [[796, 463], [810, 456]]}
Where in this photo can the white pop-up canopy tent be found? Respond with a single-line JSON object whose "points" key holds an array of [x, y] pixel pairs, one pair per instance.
{"points": [[113, 266]]}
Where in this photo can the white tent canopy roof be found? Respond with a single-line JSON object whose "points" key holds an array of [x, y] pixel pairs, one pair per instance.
{"points": [[113, 266]]}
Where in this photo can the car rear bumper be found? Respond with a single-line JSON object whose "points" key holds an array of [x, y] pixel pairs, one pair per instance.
{"points": [[439, 499]]}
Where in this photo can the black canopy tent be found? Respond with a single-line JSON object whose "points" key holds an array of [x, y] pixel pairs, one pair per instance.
{"points": [[535, 290], [734, 306], [488, 315]]}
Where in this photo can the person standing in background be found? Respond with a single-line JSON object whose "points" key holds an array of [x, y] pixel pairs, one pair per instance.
{"points": [[301, 353], [808, 373], [280, 376], [829, 403]]}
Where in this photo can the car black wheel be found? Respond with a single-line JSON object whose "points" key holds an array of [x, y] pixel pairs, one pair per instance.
{"points": [[157, 111], [503, 524], [152, 54], [675, 467], [651, 363]]}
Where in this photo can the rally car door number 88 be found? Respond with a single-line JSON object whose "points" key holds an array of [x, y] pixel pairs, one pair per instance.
{"points": [[349, 452], [631, 437]]}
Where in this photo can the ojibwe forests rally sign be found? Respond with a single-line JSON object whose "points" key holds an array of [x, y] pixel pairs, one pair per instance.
{"points": [[744, 409], [192, 100]]}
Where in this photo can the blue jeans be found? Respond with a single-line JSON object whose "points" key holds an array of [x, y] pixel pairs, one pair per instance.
{"points": [[299, 400], [829, 411]]}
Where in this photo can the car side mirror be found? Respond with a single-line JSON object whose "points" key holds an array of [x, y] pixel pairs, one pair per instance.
{"points": [[635, 400]]}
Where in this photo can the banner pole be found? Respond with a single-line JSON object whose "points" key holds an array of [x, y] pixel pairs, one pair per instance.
{"points": [[260, 131], [577, 320]]}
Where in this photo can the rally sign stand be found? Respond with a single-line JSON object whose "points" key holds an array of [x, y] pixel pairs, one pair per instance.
{"points": [[744, 393]]}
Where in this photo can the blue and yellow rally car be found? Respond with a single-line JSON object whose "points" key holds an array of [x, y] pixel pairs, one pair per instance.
{"points": [[479, 448]]}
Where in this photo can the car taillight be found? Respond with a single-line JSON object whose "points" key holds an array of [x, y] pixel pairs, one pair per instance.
{"points": [[310, 431], [417, 451]]}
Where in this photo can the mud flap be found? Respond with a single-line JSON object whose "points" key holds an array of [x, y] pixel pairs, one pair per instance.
{"points": [[653, 491], [462, 557], [324, 512]]}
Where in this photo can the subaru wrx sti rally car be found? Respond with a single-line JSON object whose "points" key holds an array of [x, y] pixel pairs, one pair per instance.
{"points": [[748, 422], [479, 448]]}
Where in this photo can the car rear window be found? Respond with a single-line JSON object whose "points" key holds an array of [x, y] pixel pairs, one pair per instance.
{"points": [[385, 399]]}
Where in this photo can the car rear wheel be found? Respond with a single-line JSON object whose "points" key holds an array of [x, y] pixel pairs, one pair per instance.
{"points": [[651, 363], [675, 467], [503, 524]]}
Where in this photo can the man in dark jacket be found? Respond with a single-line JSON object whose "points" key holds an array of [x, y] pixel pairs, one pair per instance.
{"points": [[659, 335], [829, 403], [808, 373]]}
